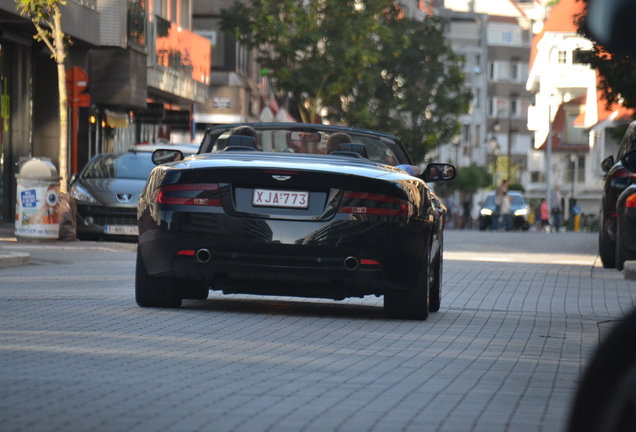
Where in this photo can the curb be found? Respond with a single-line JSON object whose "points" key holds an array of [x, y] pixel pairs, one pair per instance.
{"points": [[14, 259], [629, 270]]}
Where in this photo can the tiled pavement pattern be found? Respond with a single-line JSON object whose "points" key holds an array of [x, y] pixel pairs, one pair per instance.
{"points": [[520, 316]]}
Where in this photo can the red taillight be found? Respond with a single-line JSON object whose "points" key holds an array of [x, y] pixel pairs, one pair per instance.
{"points": [[622, 173], [204, 194], [630, 202], [373, 204], [368, 262], [186, 252]]}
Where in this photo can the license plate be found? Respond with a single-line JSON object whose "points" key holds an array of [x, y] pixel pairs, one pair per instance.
{"points": [[121, 229], [278, 198]]}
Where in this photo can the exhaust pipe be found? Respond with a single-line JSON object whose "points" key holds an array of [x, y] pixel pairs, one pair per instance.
{"points": [[351, 263], [203, 255]]}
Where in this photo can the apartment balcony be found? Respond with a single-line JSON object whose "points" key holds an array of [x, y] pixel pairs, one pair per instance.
{"points": [[179, 61], [537, 117], [566, 77]]}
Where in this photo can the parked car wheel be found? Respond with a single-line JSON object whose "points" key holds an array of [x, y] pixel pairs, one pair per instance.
{"points": [[622, 252], [154, 291], [606, 397], [606, 247]]}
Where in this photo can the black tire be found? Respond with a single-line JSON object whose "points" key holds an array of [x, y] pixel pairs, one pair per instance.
{"points": [[435, 289], [412, 304], [622, 252], [152, 291], [606, 397], [606, 247]]}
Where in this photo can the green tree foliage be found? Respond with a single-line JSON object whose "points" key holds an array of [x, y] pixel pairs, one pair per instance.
{"points": [[47, 19], [311, 49], [365, 62], [416, 91], [617, 71]]}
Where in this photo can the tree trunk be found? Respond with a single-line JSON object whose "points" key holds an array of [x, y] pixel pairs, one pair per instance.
{"points": [[60, 56]]}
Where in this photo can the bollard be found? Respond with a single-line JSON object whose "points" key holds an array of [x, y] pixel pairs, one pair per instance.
{"points": [[577, 221]]}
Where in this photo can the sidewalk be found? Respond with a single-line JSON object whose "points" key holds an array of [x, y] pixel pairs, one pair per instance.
{"points": [[15, 253]]}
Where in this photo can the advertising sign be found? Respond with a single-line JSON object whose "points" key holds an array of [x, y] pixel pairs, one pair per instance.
{"points": [[37, 210]]}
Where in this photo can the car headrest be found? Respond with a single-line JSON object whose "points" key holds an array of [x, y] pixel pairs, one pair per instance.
{"points": [[358, 148], [240, 142]]}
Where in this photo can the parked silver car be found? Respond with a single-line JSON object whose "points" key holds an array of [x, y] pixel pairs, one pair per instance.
{"points": [[107, 190]]}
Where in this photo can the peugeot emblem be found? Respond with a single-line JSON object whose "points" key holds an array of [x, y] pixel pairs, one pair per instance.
{"points": [[124, 198], [281, 177]]}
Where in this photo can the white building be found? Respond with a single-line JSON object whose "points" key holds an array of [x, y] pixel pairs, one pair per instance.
{"points": [[496, 44], [568, 104]]}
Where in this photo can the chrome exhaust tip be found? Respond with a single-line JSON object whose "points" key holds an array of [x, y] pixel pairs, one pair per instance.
{"points": [[351, 263], [203, 255]]}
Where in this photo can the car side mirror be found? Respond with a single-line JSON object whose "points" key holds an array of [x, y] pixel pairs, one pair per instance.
{"points": [[436, 172], [162, 156], [607, 164], [73, 179], [629, 161]]}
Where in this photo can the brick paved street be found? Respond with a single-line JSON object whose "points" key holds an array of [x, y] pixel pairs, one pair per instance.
{"points": [[521, 313]]}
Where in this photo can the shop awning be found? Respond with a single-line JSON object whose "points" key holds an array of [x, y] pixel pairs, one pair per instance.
{"points": [[116, 120]]}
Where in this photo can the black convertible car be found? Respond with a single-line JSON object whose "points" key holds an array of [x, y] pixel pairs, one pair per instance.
{"points": [[275, 215]]}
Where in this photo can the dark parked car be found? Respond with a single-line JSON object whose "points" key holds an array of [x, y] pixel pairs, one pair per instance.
{"points": [[275, 215], [616, 179], [626, 217], [106, 192], [518, 208]]}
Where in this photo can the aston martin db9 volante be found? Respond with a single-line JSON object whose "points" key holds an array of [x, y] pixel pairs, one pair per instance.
{"points": [[274, 214]]}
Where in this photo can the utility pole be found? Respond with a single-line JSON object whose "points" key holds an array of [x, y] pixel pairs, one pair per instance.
{"points": [[548, 153], [509, 148]]}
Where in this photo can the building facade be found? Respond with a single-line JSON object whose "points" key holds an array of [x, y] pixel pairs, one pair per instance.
{"points": [[569, 120], [238, 91], [29, 90], [138, 70], [496, 71]]}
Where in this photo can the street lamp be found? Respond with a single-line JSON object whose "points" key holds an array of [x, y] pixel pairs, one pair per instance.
{"points": [[494, 146], [456, 140], [497, 127]]}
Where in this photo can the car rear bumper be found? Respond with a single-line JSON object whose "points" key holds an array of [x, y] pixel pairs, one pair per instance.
{"points": [[335, 259]]}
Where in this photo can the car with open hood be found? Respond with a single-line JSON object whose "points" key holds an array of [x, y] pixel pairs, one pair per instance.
{"points": [[273, 214]]}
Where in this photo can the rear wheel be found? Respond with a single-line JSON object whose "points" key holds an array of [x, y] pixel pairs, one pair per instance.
{"points": [[606, 396], [622, 252], [410, 304], [435, 291], [606, 247], [153, 291]]}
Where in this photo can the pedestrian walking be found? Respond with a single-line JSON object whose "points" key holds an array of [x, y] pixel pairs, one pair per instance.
{"points": [[506, 217], [503, 187], [556, 211], [450, 207], [544, 215], [467, 207]]}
